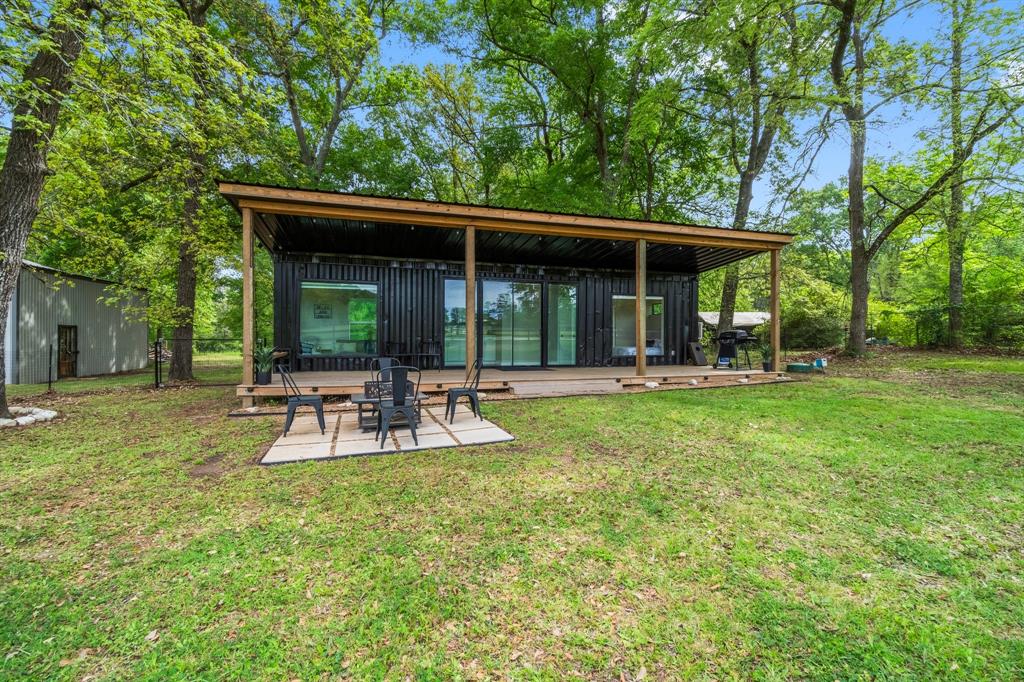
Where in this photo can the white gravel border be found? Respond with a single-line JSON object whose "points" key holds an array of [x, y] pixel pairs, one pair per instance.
{"points": [[25, 416]]}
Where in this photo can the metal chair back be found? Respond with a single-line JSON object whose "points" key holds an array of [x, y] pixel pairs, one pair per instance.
{"points": [[403, 390], [473, 380], [291, 389], [381, 366]]}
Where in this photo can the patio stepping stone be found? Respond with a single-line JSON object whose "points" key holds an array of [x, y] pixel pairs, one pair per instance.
{"points": [[305, 442]]}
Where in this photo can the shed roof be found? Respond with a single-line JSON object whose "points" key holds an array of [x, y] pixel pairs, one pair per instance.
{"points": [[64, 273], [739, 319]]}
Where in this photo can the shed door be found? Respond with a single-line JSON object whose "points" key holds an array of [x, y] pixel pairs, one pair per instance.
{"points": [[67, 351]]}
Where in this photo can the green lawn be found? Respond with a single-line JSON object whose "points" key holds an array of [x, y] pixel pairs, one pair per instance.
{"points": [[867, 524], [208, 368]]}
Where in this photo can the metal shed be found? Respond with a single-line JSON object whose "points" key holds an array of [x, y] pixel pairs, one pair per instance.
{"points": [[61, 325]]}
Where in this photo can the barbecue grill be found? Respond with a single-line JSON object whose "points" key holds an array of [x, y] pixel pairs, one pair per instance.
{"points": [[729, 345]]}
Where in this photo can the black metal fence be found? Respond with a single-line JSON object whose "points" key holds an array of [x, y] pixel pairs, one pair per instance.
{"points": [[214, 362]]}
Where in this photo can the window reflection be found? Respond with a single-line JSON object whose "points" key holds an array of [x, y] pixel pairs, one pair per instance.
{"points": [[338, 318]]}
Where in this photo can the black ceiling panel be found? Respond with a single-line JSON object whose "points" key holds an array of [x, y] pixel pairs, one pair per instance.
{"points": [[301, 234]]}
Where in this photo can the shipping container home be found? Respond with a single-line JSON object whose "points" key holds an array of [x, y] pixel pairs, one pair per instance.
{"points": [[59, 326], [532, 295]]}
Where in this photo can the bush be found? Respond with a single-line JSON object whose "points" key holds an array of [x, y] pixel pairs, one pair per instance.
{"points": [[809, 328], [814, 313]]}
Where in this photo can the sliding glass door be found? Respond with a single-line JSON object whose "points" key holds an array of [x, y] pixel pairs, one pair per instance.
{"points": [[511, 318], [561, 329], [511, 324], [455, 322]]}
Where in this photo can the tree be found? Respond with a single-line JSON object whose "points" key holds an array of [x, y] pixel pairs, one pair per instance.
{"points": [[44, 85], [863, 63], [213, 90], [585, 50], [580, 107], [130, 195], [984, 48], [756, 80], [323, 59], [954, 221]]}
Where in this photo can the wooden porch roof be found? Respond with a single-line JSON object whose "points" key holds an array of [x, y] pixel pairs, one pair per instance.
{"points": [[315, 221]]}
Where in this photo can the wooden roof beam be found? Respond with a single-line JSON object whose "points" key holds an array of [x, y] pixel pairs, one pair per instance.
{"points": [[661, 233]]}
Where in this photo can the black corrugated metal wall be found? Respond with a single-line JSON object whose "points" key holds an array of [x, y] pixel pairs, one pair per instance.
{"points": [[411, 303]]}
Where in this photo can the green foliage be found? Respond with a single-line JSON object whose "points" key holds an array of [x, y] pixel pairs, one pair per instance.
{"points": [[813, 311], [263, 358], [636, 110]]}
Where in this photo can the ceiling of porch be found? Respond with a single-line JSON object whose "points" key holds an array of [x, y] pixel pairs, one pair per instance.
{"points": [[304, 234]]}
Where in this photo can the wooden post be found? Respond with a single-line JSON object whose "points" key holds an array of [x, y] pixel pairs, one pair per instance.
{"points": [[470, 298], [641, 307], [248, 303], [776, 322]]}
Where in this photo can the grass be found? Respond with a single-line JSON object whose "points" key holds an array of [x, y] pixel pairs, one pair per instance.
{"points": [[863, 525], [220, 368]]}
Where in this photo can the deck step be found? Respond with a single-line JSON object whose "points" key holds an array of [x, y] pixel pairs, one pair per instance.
{"points": [[528, 389]]}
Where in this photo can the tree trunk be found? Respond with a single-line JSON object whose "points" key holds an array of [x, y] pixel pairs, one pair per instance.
{"points": [[956, 235], [24, 168], [859, 260], [188, 249], [848, 32], [732, 272], [727, 310], [762, 136], [957, 238]]}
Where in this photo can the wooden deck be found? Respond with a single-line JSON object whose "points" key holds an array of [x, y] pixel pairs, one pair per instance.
{"points": [[530, 382]]}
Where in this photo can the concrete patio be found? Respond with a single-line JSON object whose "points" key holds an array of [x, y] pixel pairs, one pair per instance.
{"points": [[343, 437]]}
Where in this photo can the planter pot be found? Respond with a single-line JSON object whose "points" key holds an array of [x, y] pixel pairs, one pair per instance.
{"points": [[767, 366], [263, 378]]}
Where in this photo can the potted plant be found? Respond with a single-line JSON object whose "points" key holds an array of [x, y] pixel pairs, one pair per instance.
{"points": [[766, 356], [263, 361]]}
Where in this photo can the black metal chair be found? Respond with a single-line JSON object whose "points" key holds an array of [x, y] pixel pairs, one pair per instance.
{"points": [[380, 366], [403, 400], [296, 400], [429, 355], [469, 389]]}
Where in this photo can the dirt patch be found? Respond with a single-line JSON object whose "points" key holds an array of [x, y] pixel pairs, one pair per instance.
{"points": [[51, 401], [202, 411], [598, 450], [212, 467]]}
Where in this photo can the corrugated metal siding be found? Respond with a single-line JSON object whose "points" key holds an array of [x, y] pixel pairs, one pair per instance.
{"points": [[11, 341], [108, 342], [411, 303]]}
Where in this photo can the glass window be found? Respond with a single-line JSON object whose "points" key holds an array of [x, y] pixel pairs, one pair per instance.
{"points": [[338, 318], [562, 324], [510, 321], [526, 320], [455, 322], [624, 326]]}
